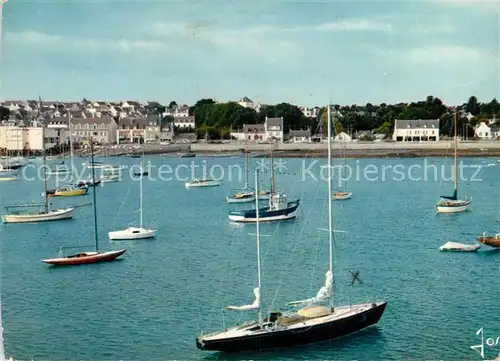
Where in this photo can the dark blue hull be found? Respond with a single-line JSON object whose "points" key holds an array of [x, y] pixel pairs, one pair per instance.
{"points": [[265, 214], [288, 338]]}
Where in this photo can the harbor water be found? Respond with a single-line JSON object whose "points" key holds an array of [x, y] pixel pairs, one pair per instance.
{"points": [[152, 304]]}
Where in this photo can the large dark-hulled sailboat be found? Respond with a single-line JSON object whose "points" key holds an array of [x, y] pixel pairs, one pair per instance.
{"points": [[310, 323]]}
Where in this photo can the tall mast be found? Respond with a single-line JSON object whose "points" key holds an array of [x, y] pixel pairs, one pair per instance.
{"points": [[140, 183], [273, 186], [246, 163], [93, 195], [71, 145], [455, 144], [330, 218], [46, 196], [259, 270], [345, 166]]}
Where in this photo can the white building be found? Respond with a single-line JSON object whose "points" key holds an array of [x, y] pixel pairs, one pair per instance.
{"points": [[274, 129], [343, 137], [184, 122], [416, 130], [101, 130], [249, 103], [271, 129], [15, 138], [482, 131], [300, 136], [486, 131]]}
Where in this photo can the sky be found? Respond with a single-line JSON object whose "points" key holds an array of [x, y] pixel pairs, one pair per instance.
{"points": [[304, 53]]}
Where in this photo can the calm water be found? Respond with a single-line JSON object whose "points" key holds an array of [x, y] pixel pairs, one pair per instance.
{"points": [[153, 303]]}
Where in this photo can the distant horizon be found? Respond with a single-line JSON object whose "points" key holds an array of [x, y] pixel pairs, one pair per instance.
{"points": [[301, 53]]}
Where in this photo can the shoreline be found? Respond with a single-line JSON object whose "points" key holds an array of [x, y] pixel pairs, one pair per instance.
{"points": [[352, 150]]}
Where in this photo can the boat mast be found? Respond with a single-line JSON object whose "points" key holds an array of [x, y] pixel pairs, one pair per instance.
{"points": [[455, 155], [259, 270], [140, 182], [344, 180], [330, 218], [93, 194], [46, 196], [246, 163], [71, 146]]}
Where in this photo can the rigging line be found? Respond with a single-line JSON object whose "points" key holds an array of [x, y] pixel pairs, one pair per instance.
{"points": [[299, 240], [443, 165], [121, 206], [223, 277]]}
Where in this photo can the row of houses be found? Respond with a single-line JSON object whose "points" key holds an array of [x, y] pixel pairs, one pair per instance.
{"points": [[103, 130]]}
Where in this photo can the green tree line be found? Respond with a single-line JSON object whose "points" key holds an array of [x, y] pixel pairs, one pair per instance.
{"points": [[218, 119]]}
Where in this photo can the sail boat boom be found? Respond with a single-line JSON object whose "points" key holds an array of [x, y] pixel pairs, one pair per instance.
{"points": [[333, 230]]}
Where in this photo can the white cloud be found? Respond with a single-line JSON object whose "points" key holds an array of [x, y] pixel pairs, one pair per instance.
{"points": [[476, 4], [346, 25], [445, 55], [33, 38]]}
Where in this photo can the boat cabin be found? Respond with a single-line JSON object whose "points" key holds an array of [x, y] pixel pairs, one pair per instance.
{"points": [[278, 201]]}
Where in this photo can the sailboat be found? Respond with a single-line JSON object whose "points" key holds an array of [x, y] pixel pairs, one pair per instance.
{"points": [[205, 182], [86, 257], [26, 213], [278, 209], [311, 323], [453, 204], [134, 232], [247, 194], [344, 194]]}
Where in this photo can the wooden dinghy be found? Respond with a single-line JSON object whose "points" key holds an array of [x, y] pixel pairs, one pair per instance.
{"points": [[492, 241]]}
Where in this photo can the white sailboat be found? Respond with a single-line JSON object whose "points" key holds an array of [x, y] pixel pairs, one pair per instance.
{"points": [[27, 213], [132, 233], [247, 194], [452, 204], [343, 194], [205, 182], [309, 324]]}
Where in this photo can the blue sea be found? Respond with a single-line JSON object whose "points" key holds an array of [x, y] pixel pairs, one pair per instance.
{"points": [[153, 303]]}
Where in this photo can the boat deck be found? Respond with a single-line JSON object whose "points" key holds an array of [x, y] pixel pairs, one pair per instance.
{"points": [[289, 322]]}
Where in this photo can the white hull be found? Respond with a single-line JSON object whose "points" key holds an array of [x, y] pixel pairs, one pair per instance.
{"points": [[43, 217], [242, 219], [107, 179], [200, 184], [459, 247], [342, 197], [57, 172], [445, 209], [132, 233], [240, 200]]}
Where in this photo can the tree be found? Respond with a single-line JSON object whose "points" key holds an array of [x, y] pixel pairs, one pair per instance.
{"points": [[473, 106], [172, 105], [4, 113], [167, 120]]}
